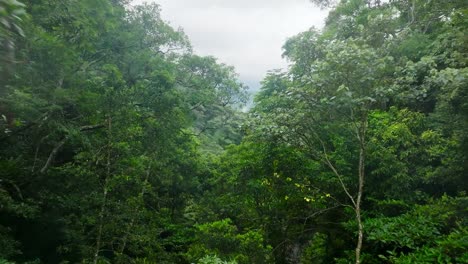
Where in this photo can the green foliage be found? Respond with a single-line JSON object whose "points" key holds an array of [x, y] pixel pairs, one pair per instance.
{"points": [[399, 140], [375, 66], [222, 238], [119, 145], [97, 133], [214, 260], [432, 232], [449, 249], [315, 252]]}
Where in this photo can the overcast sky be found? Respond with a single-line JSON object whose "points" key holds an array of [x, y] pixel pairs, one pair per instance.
{"points": [[247, 34]]}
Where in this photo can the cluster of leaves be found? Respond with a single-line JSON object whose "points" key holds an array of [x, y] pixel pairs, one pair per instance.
{"points": [[434, 232]]}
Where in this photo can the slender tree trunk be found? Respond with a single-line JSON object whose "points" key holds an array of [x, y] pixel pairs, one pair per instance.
{"points": [[135, 212], [104, 193], [358, 206], [101, 220], [412, 10], [362, 159]]}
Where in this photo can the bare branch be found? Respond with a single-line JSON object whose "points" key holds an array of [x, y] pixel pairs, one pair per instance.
{"points": [[53, 154], [335, 171], [62, 142], [37, 152], [91, 127]]}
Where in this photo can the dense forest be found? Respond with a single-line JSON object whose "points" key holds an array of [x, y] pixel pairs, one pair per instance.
{"points": [[119, 144]]}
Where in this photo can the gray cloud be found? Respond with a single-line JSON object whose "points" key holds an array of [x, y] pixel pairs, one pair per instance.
{"points": [[247, 34]]}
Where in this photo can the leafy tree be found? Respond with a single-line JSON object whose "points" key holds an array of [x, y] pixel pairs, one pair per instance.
{"points": [[332, 102]]}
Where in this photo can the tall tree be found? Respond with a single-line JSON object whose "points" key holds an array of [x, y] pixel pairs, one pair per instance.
{"points": [[329, 104]]}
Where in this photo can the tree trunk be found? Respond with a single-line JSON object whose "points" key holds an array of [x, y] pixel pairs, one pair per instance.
{"points": [[104, 194], [101, 222], [135, 212], [358, 205], [362, 159]]}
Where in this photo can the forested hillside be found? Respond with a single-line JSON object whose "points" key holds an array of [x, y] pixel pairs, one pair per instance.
{"points": [[119, 144]]}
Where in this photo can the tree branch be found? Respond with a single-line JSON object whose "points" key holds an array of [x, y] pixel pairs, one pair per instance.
{"points": [[91, 127], [335, 171], [53, 154], [62, 142]]}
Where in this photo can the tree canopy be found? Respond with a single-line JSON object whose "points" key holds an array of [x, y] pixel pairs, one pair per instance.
{"points": [[119, 144]]}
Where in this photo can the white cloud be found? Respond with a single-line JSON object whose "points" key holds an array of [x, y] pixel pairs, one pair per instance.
{"points": [[247, 34]]}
